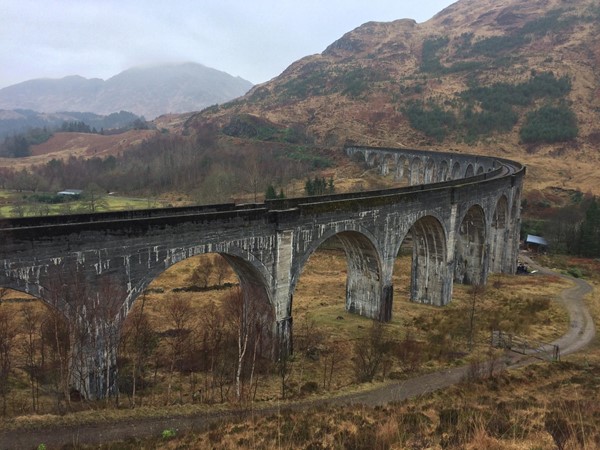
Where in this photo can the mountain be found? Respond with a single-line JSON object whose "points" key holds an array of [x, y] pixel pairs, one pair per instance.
{"points": [[21, 120], [505, 77], [145, 91]]}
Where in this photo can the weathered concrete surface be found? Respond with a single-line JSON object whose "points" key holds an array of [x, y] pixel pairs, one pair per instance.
{"points": [[93, 267]]}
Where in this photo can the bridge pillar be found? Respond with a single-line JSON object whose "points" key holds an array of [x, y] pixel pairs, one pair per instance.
{"points": [[282, 294], [284, 341], [387, 301]]}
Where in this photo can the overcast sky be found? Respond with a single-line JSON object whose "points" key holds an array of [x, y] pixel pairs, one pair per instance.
{"points": [[253, 39]]}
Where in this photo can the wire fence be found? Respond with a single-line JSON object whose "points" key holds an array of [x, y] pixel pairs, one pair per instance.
{"points": [[524, 346]]}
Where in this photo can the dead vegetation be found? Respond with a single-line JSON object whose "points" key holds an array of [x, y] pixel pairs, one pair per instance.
{"points": [[169, 356]]}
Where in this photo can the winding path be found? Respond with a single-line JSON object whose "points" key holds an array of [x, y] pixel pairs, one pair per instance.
{"points": [[581, 332]]}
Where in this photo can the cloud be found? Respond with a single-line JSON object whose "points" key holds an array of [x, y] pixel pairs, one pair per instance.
{"points": [[255, 39]]}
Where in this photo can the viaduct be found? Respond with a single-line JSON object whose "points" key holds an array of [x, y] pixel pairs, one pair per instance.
{"points": [[461, 213]]}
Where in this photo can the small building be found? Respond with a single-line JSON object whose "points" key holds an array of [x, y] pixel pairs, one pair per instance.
{"points": [[70, 192], [536, 243]]}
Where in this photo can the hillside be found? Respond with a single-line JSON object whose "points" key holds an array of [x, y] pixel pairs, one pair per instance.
{"points": [[146, 91], [478, 77], [20, 120]]}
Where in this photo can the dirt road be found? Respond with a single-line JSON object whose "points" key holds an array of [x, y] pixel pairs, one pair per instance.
{"points": [[581, 332]]}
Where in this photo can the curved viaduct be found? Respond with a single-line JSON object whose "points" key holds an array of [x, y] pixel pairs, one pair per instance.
{"points": [[461, 212]]}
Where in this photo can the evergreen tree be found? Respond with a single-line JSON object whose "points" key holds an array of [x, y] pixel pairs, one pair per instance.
{"points": [[270, 193], [589, 232]]}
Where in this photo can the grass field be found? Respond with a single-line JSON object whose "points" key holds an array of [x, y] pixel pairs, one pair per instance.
{"points": [[15, 204]]}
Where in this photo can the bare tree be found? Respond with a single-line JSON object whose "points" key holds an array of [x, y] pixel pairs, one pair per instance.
{"points": [[8, 332], [222, 268], [64, 293], [139, 340], [179, 314], [103, 312], [249, 315], [334, 354], [477, 292], [212, 348], [55, 354], [94, 200], [201, 274], [369, 352], [31, 349]]}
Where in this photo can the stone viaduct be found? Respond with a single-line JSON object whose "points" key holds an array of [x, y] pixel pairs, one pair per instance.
{"points": [[461, 213]]}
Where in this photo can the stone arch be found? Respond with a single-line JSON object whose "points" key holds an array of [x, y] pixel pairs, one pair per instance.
{"points": [[430, 283], [401, 168], [373, 159], [455, 174], [443, 171], [498, 235], [429, 171], [469, 171], [416, 171], [364, 278], [254, 277], [470, 248], [480, 170], [387, 165]]}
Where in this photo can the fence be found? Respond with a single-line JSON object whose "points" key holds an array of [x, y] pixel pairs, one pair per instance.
{"points": [[524, 346]]}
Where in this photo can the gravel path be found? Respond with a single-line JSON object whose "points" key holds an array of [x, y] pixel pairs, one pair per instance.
{"points": [[581, 332]]}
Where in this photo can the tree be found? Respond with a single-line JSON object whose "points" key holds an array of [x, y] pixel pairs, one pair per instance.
{"points": [[550, 124], [179, 314], [31, 349], [319, 186], [8, 332], [202, 272], [589, 231], [138, 342], [369, 352], [270, 193], [222, 268], [213, 349], [103, 311], [477, 293], [94, 200], [249, 315]]}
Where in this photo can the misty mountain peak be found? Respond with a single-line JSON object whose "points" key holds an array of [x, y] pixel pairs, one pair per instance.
{"points": [[149, 91]]}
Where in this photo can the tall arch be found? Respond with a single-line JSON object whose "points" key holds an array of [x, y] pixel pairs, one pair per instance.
{"points": [[470, 248], [430, 282], [364, 278], [469, 171], [455, 171], [388, 164], [401, 168], [498, 236], [416, 171], [253, 275], [443, 171], [429, 172]]}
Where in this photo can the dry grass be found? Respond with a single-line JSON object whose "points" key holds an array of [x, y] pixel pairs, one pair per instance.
{"points": [[523, 304]]}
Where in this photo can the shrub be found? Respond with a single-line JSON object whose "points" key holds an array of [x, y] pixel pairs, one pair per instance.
{"points": [[549, 124], [432, 120], [168, 433]]}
